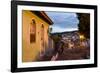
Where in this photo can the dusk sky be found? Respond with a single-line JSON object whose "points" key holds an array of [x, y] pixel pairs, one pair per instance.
{"points": [[63, 21]]}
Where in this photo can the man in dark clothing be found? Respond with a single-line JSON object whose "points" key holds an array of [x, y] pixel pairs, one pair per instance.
{"points": [[59, 47]]}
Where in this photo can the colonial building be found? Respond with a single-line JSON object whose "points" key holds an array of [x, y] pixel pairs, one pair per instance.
{"points": [[34, 34]]}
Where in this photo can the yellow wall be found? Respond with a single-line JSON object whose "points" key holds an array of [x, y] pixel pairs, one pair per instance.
{"points": [[30, 51]]}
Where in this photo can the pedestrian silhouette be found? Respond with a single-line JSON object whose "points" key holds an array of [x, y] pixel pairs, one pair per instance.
{"points": [[59, 47]]}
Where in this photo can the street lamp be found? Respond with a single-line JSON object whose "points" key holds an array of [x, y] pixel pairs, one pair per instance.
{"points": [[82, 37]]}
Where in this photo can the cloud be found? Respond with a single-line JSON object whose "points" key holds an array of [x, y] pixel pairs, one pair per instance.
{"points": [[59, 29], [63, 20]]}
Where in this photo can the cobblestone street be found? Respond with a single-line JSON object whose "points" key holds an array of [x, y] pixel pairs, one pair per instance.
{"points": [[68, 54]]}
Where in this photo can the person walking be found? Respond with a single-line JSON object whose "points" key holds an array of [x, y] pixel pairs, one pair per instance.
{"points": [[59, 47]]}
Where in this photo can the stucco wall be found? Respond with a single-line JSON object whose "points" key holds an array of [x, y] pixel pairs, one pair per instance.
{"points": [[31, 50]]}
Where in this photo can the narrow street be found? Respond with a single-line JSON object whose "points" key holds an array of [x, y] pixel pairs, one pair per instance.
{"points": [[68, 54], [74, 54]]}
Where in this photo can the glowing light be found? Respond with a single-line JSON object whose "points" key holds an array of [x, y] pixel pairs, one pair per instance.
{"points": [[82, 37]]}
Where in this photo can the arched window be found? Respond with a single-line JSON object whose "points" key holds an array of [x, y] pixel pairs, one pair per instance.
{"points": [[32, 31], [42, 35]]}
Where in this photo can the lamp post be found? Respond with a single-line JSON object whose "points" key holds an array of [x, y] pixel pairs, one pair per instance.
{"points": [[82, 37]]}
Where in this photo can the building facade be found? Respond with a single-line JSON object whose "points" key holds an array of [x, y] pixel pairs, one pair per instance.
{"points": [[35, 25]]}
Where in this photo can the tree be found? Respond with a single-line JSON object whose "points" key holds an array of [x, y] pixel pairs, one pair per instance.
{"points": [[84, 24]]}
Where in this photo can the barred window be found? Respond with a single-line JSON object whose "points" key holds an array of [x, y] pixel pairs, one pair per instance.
{"points": [[32, 31]]}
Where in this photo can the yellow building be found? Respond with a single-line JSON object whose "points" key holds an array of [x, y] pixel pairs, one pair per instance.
{"points": [[34, 34]]}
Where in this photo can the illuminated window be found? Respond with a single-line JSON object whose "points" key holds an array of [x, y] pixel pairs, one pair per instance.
{"points": [[32, 31]]}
